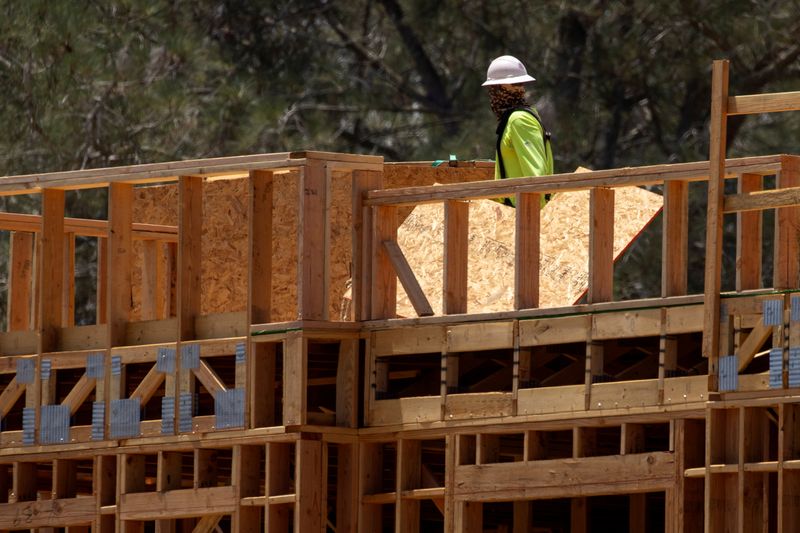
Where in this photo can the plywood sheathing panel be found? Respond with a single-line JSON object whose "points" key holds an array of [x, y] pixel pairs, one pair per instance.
{"points": [[564, 248], [224, 268]]}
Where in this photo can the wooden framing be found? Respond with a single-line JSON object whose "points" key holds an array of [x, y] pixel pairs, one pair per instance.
{"points": [[465, 421]]}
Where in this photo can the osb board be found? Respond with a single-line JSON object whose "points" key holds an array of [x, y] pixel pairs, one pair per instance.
{"points": [[224, 234], [564, 250]]}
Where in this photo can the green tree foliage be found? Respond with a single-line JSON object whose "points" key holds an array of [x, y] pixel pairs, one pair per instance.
{"points": [[113, 82]]}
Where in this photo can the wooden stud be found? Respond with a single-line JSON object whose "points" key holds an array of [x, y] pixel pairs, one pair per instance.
{"points": [[68, 313], [522, 515], [384, 279], [20, 281], [155, 292], [675, 242], [119, 261], [363, 180], [370, 472], [295, 376], [601, 245], [716, 190], [347, 381], [456, 257], [526, 260], [190, 230], [347, 476], [313, 245], [409, 475], [261, 384], [787, 221], [65, 479], [260, 247], [51, 270], [309, 509], [468, 516], [102, 280], [23, 488], [245, 478], [205, 468], [748, 238], [579, 515]]}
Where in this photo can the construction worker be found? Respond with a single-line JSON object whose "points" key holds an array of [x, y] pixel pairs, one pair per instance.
{"points": [[523, 143]]}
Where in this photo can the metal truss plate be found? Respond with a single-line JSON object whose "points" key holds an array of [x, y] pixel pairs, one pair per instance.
{"points": [[165, 360], [728, 373], [95, 365], [794, 367], [185, 411], [190, 356], [776, 368], [25, 370], [98, 420], [116, 365], [55, 424], [45, 369], [229, 408], [28, 425], [125, 418], [168, 415], [773, 312], [241, 353]]}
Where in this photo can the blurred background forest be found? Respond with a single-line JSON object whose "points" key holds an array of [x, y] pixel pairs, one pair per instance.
{"points": [[620, 83]]}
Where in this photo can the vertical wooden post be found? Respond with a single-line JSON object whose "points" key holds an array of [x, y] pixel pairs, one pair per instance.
{"points": [[601, 245], [675, 241], [190, 231], [748, 237], [68, 314], [51, 269], [313, 235], [347, 384], [102, 279], [347, 499], [260, 247], [119, 261], [245, 480], [105, 490], [190, 213], [20, 281], [526, 260], [309, 509], [155, 281], [260, 383], [456, 240], [370, 473], [51, 295], [363, 180], [295, 362], [469, 516], [409, 475], [716, 190], [787, 222], [384, 278]]}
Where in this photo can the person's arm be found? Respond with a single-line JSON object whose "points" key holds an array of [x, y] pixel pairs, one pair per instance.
{"points": [[525, 134]]}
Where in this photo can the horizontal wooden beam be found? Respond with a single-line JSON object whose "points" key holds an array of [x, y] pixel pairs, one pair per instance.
{"points": [[47, 513], [763, 103], [87, 227], [566, 478], [620, 177], [759, 200], [178, 503]]}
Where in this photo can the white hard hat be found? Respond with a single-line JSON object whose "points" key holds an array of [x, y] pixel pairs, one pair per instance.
{"points": [[507, 69]]}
